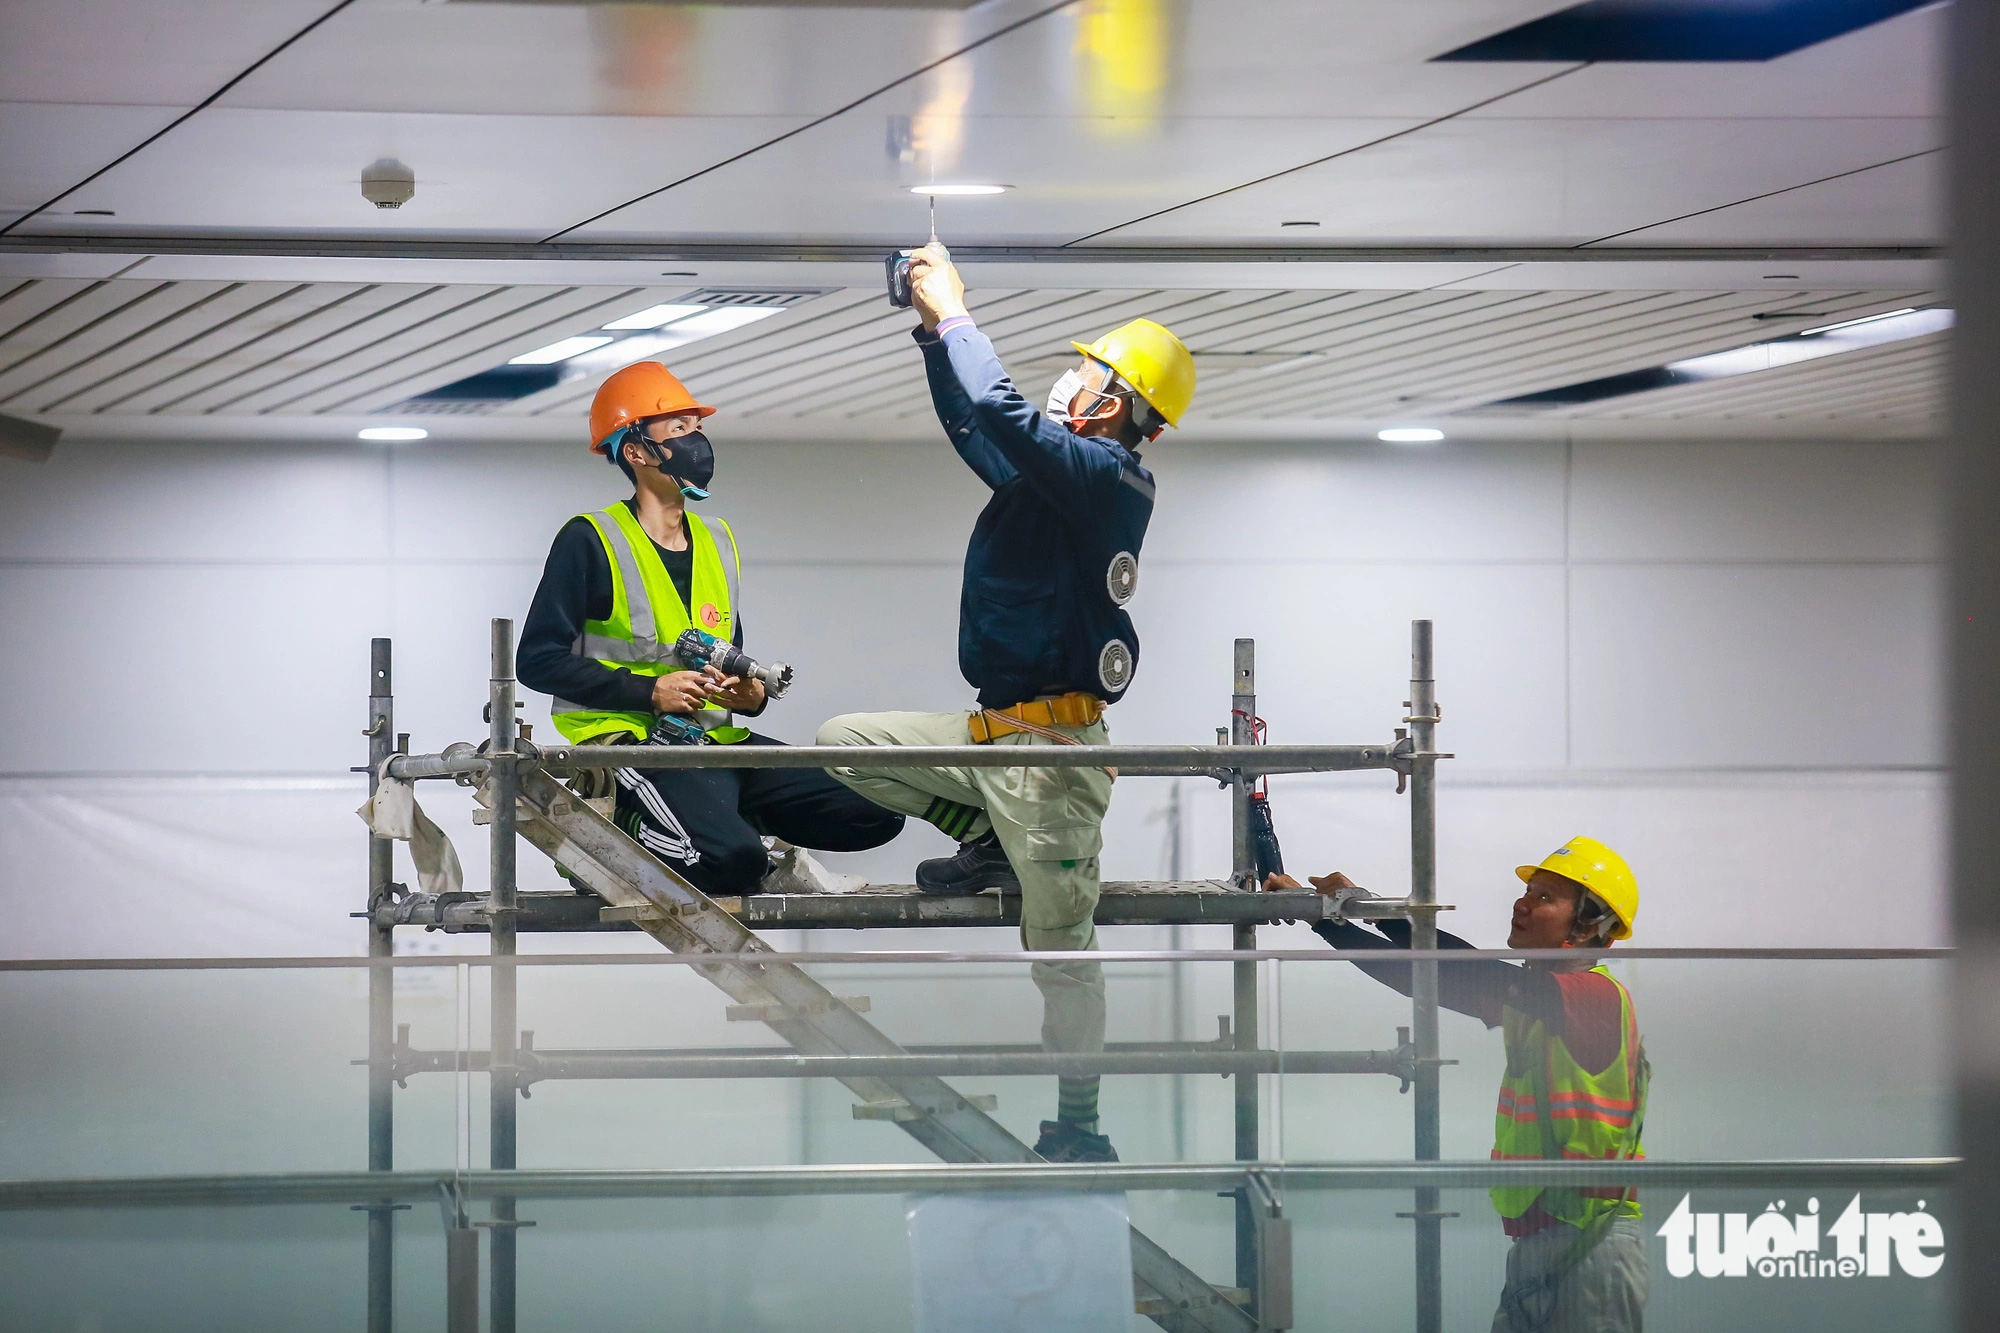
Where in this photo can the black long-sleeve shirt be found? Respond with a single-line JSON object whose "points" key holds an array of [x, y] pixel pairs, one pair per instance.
{"points": [[1477, 987], [576, 587]]}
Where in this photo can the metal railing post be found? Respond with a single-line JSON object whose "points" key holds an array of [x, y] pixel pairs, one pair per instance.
{"points": [[502, 1085], [1424, 975], [381, 1003], [1244, 1025]]}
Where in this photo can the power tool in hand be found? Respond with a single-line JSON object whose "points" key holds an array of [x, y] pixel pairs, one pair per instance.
{"points": [[898, 266], [698, 649]]}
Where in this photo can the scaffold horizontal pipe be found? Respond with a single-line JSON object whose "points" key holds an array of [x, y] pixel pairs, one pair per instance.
{"points": [[343, 1187], [926, 957], [1146, 760], [540, 1065]]}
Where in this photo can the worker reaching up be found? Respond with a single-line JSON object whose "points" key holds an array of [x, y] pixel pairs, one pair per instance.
{"points": [[1575, 1085], [1043, 637], [620, 586]]}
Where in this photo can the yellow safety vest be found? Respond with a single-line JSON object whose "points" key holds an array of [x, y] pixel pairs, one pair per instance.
{"points": [[640, 634], [1551, 1107]]}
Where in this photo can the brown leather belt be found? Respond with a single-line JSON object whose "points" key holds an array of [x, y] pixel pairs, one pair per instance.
{"points": [[1038, 716]]}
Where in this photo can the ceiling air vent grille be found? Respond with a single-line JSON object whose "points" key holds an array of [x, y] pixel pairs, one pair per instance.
{"points": [[769, 297]]}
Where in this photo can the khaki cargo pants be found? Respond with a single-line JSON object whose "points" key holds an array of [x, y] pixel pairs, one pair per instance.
{"points": [[1049, 822]]}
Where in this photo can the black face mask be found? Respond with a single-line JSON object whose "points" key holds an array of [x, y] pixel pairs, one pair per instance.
{"points": [[689, 459]]}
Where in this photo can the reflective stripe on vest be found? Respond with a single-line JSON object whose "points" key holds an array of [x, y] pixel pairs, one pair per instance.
{"points": [[639, 635], [1588, 1116]]}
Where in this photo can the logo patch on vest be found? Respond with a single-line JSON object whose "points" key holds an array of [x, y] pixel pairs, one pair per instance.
{"points": [[710, 617]]}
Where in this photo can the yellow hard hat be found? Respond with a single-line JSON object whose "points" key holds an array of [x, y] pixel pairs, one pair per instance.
{"points": [[1599, 870], [1155, 363]]}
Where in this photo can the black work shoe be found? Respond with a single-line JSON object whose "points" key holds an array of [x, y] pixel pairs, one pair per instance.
{"points": [[1064, 1142], [978, 865]]}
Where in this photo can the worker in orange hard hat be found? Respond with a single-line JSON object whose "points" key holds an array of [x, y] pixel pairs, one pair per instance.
{"points": [[1576, 1082], [621, 588]]}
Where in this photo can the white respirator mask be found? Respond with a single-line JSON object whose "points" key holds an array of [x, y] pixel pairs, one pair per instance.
{"points": [[1062, 394]]}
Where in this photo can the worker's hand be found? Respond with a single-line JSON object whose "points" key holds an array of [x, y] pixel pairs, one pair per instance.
{"points": [[1322, 883], [935, 287], [734, 691], [681, 691]]}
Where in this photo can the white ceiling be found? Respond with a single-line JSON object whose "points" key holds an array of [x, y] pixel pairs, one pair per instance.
{"points": [[1127, 124]]}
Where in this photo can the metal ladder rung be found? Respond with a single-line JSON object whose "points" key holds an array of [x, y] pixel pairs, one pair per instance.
{"points": [[901, 1112]]}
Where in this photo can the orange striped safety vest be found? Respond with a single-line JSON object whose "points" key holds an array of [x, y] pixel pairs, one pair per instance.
{"points": [[1551, 1107]]}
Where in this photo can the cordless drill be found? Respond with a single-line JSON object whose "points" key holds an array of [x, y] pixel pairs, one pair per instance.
{"points": [[698, 649]]}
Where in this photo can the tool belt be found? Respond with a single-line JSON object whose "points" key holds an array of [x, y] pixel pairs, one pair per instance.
{"points": [[1038, 716]]}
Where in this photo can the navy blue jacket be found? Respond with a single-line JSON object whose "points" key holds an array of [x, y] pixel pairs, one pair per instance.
{"points": [[1036, 615]]}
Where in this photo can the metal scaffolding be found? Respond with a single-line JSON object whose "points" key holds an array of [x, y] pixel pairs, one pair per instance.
{"points": [[516, 783]]}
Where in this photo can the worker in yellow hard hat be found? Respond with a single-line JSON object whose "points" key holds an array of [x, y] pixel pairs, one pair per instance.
{"points": [[1575, 1085], [1044, 638]]}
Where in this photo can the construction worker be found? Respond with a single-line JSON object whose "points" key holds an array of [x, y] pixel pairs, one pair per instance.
{"points": [[1575, 1085], [620, 586], [1043, 637]]}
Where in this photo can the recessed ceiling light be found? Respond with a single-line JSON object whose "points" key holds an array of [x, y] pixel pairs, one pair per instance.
{"points": [[943, 190], [96, 213], [392, 433], [1781, 277], [654, 316], [1409, 435], [1298, 224], [561, 350]]}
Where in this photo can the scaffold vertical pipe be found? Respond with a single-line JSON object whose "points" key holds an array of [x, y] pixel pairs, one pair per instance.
{"points": [[501, 1082], [1242, 731], [1424, 975], [381, 1003]]}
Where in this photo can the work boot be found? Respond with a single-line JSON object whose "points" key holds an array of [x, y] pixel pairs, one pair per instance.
{"points": [[1064, 1142], [978, 865]]}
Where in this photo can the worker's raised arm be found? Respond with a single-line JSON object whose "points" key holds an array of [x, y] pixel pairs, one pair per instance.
{"points": [[955, 414], [1074, 475]]}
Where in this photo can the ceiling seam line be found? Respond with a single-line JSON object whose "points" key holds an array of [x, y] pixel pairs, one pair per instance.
{"points": [[1345, 152], [230, 376], [1768, 194], [919, 72], [179, 120]]}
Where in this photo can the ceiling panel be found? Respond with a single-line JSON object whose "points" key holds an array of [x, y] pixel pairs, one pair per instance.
{"points": [[171, 351], [1902, 199], [1561, 182], [138, 52], [848, 180], [501, 177], [45, 149]]}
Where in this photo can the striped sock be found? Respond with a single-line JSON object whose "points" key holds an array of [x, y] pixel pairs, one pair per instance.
{"points": [[953, 819], [1076, 1103]]}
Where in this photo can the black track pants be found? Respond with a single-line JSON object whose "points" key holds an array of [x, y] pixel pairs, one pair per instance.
{"points": [[705, 823]]}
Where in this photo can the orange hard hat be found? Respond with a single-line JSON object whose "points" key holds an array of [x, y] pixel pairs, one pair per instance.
{"points": [[643, 389]]}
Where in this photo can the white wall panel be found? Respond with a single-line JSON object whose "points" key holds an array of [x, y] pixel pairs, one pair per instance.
{"points": [[1272, 505], [1333, 644], [1768, 500], [186, 668], [1746, 665], [206, 502]]}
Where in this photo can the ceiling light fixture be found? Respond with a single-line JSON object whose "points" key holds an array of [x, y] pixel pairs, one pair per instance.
{"points": [[945, 191], [392, 433], [654, 316], [1298, 224], [1409, 435], [561, 350]]}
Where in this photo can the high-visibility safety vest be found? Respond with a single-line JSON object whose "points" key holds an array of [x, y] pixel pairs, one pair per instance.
{"points": [[640, 634], [1551, 1107]]}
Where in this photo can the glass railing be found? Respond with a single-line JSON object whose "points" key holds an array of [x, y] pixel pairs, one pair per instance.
{"points": [[186, 1145]]}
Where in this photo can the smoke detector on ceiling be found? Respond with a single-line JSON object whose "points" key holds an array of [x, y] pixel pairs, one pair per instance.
{"points": [[387, 183]]}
